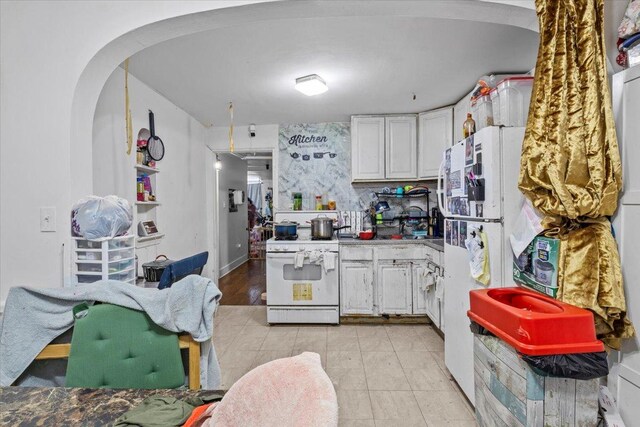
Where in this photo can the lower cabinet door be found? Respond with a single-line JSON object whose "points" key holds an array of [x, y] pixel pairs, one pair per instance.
{"points": [[420, 289], [356, 288], [394, 288]]}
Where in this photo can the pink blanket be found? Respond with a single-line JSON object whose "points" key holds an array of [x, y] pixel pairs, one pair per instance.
{"points": [[293, 391]]}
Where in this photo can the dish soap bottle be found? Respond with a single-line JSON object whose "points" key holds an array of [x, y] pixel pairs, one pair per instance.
{"points": [[469, 126]]}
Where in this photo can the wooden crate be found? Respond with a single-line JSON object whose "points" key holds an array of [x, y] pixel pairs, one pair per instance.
{"points": [[509, 393]]}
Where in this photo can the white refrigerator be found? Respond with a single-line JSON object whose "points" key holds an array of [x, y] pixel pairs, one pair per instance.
{"points": [[477, 187]]}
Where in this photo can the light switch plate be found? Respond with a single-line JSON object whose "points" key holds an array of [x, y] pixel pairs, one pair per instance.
{"points": [[48, 219]]}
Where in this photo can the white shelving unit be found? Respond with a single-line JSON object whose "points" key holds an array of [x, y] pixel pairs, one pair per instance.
{"points": [[146, 210], [112, 259]]}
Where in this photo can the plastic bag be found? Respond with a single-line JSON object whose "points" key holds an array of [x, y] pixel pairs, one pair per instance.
{"points": [[101, 217], [578, 366], [527, 227]]}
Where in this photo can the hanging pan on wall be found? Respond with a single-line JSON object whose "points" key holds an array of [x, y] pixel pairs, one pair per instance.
{"points": [[155, 147]]}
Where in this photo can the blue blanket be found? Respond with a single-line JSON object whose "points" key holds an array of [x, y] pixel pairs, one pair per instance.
{"points": [[34, 317]]}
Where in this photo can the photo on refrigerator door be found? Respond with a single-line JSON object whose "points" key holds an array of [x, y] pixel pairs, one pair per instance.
{"points": [[453, 205], [455, 180], [447, 232], [468, 152], [468, 173], [464, 206], [463, 234], [454, 233]]}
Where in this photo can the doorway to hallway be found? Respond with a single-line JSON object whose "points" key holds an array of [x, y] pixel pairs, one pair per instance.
{"points": [[243, 231], [245, 285]]}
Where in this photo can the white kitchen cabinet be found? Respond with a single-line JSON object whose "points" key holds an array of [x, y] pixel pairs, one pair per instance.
{"points": [[367, 148], [419, 288], [425, 300], [356, 288], [394, 288], [400, 147], [435, 135]]}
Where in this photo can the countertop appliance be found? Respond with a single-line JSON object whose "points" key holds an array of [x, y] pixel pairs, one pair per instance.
{"points": [[477, 188], [303, 275]]}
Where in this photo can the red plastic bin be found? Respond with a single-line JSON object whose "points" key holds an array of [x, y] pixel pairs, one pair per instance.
{"points": [[533, 323]]}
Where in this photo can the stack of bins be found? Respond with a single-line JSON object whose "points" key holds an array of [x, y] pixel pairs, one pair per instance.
{"points": [[536, 360], [515, 95], [482, 110]]}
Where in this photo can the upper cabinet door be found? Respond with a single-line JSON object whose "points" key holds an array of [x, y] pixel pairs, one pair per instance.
{"points": [[435, 134], [367, 148], [401, 147]]}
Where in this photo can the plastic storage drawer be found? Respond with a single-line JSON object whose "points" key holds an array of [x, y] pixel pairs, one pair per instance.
{"points": [[515, 96]]}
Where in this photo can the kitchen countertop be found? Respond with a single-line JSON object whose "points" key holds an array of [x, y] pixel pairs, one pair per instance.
{"points": [[435, 243], [60, 406]]}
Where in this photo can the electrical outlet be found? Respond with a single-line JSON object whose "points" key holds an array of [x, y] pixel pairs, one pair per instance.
{"points": [[48, 219]]}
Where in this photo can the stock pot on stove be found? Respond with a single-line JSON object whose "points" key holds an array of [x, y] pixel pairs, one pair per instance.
{"points": [[322, 228], [285, 230]]}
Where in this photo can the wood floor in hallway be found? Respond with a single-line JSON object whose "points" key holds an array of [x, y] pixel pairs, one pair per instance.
{"points": [[245, 284]]}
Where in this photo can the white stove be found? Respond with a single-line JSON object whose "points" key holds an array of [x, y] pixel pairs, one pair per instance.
{"points": [[302, 276], [297, 245]]}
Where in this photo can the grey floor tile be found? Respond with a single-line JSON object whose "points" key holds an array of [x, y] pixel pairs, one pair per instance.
{"points": [[242, 359], [280, 338], [417, 422], [442, 406], [356, 423], [227, 331], [423, 372], [342, 331], [265, 356], [394, 405], [408, 343], [384, 372], [347, 378], [403, 330], [371, 330], [342, 343], [377, 342], [354, 405], [344, 359]]}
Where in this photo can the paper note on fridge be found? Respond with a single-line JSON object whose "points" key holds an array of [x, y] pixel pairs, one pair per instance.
{"points": [[527, 227]]}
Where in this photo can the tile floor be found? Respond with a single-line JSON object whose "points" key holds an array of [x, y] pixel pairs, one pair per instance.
{"points": [[383, 375]]}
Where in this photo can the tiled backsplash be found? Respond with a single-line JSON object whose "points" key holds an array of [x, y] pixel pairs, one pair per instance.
{"points": [[315, 159]]}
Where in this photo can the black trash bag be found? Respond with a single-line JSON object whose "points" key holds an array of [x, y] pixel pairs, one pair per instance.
{"points": [[578, 366], [478, 329]]}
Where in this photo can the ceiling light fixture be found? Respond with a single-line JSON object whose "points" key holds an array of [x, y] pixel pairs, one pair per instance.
{"points": [[311, 85]]}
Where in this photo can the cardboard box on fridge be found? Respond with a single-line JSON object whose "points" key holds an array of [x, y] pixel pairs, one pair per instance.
{"points": [[537, 266]]}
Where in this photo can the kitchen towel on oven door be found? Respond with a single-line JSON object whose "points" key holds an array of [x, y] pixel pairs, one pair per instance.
{"points": [[324, 258]]}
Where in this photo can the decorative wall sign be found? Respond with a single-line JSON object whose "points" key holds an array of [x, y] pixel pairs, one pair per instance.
{"points": [[315, 159]]}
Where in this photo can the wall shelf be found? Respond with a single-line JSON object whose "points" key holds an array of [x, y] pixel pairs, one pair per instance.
{"points": [[405, 195], [148, 203], [149, 238], [147, 169]]}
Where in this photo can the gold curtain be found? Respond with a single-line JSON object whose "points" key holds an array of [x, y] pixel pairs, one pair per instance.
{"points": [[570, 165]]}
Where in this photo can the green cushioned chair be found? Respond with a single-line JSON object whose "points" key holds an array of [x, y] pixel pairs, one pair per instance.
{"points": [[116, 347]]}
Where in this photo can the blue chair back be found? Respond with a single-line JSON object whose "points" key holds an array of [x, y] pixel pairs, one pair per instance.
{"points": [[181, 269]]}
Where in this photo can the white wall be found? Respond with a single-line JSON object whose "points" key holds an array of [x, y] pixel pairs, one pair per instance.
{"points": [[46, 48], [180, 185], [234, 236]]}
